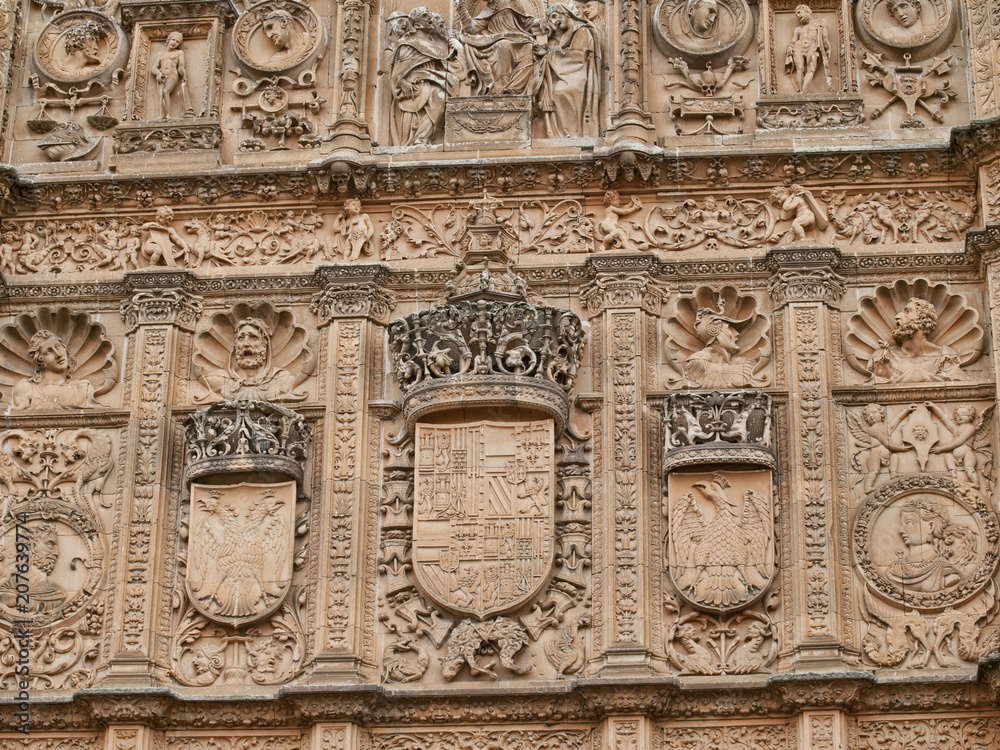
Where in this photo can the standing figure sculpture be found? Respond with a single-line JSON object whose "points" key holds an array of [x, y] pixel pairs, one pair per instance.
{"points": [[169, 71], [809, 48], [354, 230], [569, 89], [419, 79], [499, 48]]}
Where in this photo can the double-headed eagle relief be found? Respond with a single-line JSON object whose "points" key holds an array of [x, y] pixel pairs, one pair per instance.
{"points": [[484, 518]]}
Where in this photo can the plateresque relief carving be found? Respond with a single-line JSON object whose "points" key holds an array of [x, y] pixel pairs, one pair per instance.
{"points": [[809, 52], [79, 46], [922, 438], [910, 216], [718, 340], [278, 37], [703, 31], [927, 550], [56, 359], [252, 353], [914, 333], [918, 28]]}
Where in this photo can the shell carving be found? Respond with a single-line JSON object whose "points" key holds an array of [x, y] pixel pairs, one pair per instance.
{"points": [[287, 361], [92, 355], [896, 336], [719, 339]]}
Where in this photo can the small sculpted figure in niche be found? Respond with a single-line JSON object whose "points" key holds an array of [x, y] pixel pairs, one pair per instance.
{"points": [[279, 27], [498, 48], [354, 230], [906, 15], [420, 78], [52, 386], [809, 48], [610, 231], [913, 358], [43, 594], [798, 205], [170, 71], [938, 550], [164, 245], [569, 87], [252, 373], [703, 17]]}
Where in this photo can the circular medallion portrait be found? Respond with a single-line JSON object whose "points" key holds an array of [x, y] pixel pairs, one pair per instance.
{"points": [[275, 37], [51, 564], [926, 542], [80, 45], [703, 28], [919, 28]]}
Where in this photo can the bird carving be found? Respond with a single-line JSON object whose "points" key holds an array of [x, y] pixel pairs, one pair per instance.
{"points": [[727, 560], [237, 562], [566, 651]]}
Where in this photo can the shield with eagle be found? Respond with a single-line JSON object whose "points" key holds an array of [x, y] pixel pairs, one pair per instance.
{"points": [[484, 517], [240, 549]]}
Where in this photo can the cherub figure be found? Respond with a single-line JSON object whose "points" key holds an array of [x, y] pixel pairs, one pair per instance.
{"points": [[610, 231], [873, 438], [970, 435], [164, 244], [799, 205], [354, 229]]}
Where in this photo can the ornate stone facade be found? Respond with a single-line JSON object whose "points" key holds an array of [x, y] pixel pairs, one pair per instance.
{"points": [[499, 374]]}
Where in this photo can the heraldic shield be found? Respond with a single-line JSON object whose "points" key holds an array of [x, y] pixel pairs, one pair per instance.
{"points": [[241, 547], [484, 524]]}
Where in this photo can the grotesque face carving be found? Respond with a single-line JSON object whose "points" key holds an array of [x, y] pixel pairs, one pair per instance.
{"points": [[251, 344], [44, 547]]}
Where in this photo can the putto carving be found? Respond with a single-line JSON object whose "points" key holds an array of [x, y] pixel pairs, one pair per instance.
{"points": [[81, 45], [703, 30], [906, 27], [484, 514], [721, 538], [354, 231], [240, 549], [252, 353], [278, 37], [56, 359], [914, 333], [808, 51], [719, 339], [911, 216], [242, 436], [718, 427]]}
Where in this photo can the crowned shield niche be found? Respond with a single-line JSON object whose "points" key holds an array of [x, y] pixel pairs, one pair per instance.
{"points": [[240, 549], [484, 523]]}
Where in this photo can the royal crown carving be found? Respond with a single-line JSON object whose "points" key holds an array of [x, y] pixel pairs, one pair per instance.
{"points": [[246, 436], [488, 345]]}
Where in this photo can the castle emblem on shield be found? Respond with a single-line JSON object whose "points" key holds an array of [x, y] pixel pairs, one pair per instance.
{"points": [[484, 521]]}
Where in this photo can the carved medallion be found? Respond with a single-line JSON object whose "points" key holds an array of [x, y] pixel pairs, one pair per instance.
{"points": [[274, 37], [916, 27], [926, 542], [721, 541], [703, 29], [484, 519], [240, 550], [51, 562], [79, 46]]}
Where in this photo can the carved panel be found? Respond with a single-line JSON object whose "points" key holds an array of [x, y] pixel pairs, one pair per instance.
{"points": [[971, 733], [278, 37], [703, 30], [80, 46], [900, 27]]}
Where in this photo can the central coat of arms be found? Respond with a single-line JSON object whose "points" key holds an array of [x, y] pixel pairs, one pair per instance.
{"points": [[484, 522]]}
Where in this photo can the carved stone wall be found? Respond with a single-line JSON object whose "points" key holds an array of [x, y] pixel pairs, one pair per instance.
{"points": [[499, 374]]}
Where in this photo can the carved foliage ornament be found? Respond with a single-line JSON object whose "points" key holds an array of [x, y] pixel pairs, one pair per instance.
{"points": [[253, 352], [278, 36], [79, 46], [56, 359], [484, 515], [703, 30], [240, 549], [719, 339], [914, 333]]}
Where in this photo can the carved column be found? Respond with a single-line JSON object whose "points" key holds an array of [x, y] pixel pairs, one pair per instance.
{"points": [[353, 308], [350, 131], [628, 733], [984, 30], [157, 316], [8, 25], [806, 291], [630, 122], [986, 244], [621, 303]]}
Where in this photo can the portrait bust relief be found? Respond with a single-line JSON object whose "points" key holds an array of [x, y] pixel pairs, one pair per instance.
{"points": [[275, 37], [920, 28], [79, 46], [703, 30]]}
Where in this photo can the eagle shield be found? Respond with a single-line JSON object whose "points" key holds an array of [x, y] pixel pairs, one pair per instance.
{"points": [[240, 549], [484, 520]]}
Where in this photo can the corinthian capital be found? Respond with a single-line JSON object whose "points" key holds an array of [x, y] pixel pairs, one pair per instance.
{"points": [[353, 291], [805, 274]]}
